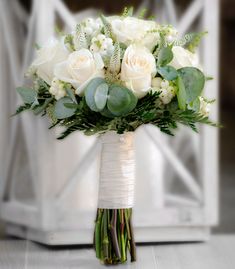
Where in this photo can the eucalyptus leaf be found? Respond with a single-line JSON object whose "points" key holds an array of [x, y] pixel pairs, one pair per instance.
{"points": [[193, 80], [181, 94], [101, 95], [61, 111], [38, 109], [71, 105], [105, 112], [90, 93], [168, 72], [195, 105], [121, 100], [165, 56], [28, 95], [71, 94]]}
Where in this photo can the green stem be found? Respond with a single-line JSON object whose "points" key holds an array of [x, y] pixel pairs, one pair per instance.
{"points": [[114, 236]]}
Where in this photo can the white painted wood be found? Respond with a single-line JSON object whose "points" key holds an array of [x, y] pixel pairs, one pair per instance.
{"points": [[210, 136], [190, 15], [85, 236], [217, 254], [63, 202], [186, 177]]}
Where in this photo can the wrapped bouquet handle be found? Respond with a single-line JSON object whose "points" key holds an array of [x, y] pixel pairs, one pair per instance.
{"points": [[113, 235]]}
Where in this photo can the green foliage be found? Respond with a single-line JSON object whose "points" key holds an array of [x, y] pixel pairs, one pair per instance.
{"points": [[127, 12], [28, 95], [38, 109], [195, 40], [142, 13], [107, 27], [121, 100], [181, 93], [115, 60], [80, 41], [90, 93], [22, 108], [101, 95], [68, 41], [195, 105], [165, 56], [168, 72], [61, 111], [193, 80]]}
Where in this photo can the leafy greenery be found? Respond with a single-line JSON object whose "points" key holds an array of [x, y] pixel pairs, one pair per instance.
{"points": [[195, 40], [121, 100], [193, 80], [165, 56], [61, 111], [127, 12], [28, 95], [168, 72]]}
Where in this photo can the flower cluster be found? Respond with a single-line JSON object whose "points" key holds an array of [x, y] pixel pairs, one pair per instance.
{"points": [[110, 64]]}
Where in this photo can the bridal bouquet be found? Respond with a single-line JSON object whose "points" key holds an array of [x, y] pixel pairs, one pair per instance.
{"points": [[107, 78]]}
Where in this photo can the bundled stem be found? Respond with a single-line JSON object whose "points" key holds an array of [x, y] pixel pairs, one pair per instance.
{"points": [[113, 236]]}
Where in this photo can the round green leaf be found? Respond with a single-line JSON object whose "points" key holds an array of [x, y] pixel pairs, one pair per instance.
{"points": [[193, 80], [165, 56], [90, 93], [121, 100], [168, 72], [101, 95], [105, 112], [61, 111], [28, 95]]}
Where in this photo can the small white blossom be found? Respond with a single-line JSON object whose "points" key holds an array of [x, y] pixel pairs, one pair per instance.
{"points": [[92, 27], [163, 86], [102, 44], [204, 107], [171, 35], [57, 89]]}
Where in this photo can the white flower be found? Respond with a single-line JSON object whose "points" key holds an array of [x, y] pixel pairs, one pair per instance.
{"points": [[102, 44], [57, 89], [79, 69], [48, 56], [204, 107], [92, 26], [132, 30], [184, 58], [138, 67], [163, 86], [171, 35]]}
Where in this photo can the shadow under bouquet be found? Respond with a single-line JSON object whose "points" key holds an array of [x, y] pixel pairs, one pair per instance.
{"points": [[107, 78]]}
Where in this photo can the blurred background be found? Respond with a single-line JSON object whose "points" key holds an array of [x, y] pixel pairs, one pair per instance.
{"points": [[226, 88]]}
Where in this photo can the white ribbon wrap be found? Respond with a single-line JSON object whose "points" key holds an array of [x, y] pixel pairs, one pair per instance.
{"points": [[117, 171]]}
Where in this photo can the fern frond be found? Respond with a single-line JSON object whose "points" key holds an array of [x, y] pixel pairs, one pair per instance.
{"points": [[107, 27], [115, 60], [80, 39], [142, 13], [127, 12], [195, 41], [68, 41]]}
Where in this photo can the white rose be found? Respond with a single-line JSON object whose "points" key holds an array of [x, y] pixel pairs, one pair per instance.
{"points": [[132, 30], [138, 67], [184, 58], [48, 56], [80, 67]]}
